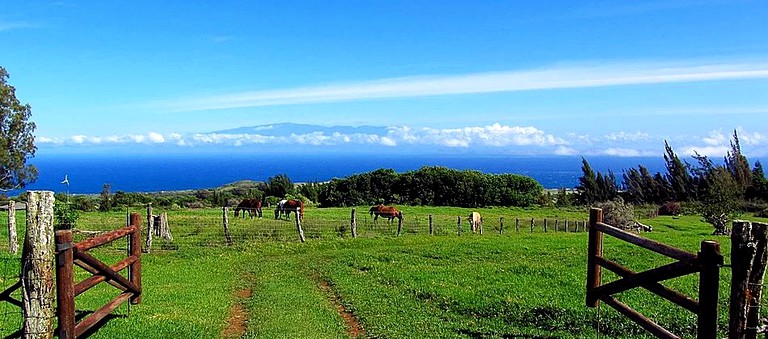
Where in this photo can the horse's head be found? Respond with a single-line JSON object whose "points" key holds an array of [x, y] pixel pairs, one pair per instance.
{"points": [[374, 209]]}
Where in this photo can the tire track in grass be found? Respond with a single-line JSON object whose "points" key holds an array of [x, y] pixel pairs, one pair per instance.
{"points": [[237, 316], [354, 328]]}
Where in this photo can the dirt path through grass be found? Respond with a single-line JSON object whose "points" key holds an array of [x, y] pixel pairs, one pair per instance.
{"points": [[354, 328], [237, 316]]}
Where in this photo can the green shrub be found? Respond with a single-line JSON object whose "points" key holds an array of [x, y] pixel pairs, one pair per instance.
{"points": [[670, 208]]}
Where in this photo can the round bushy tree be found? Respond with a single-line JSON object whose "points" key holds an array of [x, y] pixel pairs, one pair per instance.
{"points": [[17, 143]]}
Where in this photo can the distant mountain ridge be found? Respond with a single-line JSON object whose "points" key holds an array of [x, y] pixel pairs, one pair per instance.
{"points": [[285, 129]]}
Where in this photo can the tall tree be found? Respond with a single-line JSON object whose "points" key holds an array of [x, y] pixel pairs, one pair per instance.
{"points": [[678, 177], [280, 186], [738, 165], [17, 143], [588, 188]]}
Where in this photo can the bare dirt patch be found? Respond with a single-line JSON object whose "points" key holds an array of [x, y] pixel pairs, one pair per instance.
{"points": [[237, 316], [354, 328]]}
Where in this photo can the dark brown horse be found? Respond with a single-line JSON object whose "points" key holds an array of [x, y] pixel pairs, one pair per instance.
{"points": [[252, 206], [389, 212], [285, 207]]}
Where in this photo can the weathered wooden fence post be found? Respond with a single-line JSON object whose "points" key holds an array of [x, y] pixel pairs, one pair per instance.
{"points": [[13, 241], [742, 253], [501, 225], [748, 260], [458, 225], [545, 225], [353, 224], [225, 217], [298, 227], [709, 281], [594, 250], [556, 222], [399, 226], [566, 225], [757, 276], [164, 231], [134, 271], [431, 229], [150, 229], [65, 284], [532, 223], [37, 281], [517, 225]]}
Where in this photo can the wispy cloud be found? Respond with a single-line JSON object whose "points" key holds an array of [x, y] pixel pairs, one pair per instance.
{"points": [[638, 7], [9, 26], [717, 143], [556, 77]]}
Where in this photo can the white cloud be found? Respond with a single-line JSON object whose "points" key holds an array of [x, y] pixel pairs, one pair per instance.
{"points": [[156, 137], [715, 138], [627, 152], [624, 136], [709, 151], [556, 77], [563, 150]]}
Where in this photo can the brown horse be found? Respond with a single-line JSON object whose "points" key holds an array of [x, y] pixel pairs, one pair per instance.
{"points": [[252, 206], [389, 212], [285, 207]]}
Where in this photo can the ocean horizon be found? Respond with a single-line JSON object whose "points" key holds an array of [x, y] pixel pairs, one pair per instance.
{"points": [[87, 173]]}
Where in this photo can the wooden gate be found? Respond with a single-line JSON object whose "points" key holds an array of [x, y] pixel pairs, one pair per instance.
{"points": [[707, 262], [68, 255]]}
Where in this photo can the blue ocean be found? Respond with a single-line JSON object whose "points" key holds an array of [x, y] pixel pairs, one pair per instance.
{"points": [[87, 173]]}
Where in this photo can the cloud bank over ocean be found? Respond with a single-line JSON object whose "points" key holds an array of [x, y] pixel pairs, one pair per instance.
{"points": [[491, 139]]}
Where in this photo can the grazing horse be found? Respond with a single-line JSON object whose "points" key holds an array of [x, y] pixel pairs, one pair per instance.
{"points": [[250, 205], [389, 212], [285, 207], [475, 222]]}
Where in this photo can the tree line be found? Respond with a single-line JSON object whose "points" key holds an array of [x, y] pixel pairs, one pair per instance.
{"points": [[717, 190], [432, 186]]}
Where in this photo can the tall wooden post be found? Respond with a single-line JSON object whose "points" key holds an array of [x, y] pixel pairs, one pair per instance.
{"points": [[532, 223], [134, 272], [353, 224], [594, 250], [298, 227], [545, 225], [556, 222], [458, 225], [150, 224], [742, 255], [225, 218], [431, 229], [37, 281], [501, 225], [399, 226], [517, 225], [709, 281], [566, 225], [757, 276], [65, 284], [13, 241]]}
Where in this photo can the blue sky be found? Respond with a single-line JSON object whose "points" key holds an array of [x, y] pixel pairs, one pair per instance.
{"points": [[508, 77]]}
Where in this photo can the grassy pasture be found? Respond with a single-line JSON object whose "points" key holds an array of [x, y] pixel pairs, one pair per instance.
{"points": [[416, 285]]}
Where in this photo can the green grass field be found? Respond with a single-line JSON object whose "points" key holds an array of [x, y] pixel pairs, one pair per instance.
{"points": [[516, 284]]}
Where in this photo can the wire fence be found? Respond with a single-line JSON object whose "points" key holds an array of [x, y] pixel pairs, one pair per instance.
{"points": [[206, 227], [11, 318]]}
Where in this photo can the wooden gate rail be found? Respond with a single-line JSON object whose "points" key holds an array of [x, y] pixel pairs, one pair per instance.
{"points": [[68, 255], [707, 262]]}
